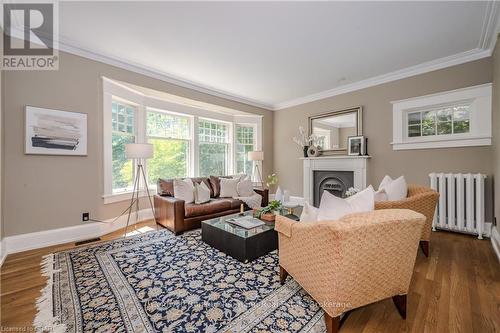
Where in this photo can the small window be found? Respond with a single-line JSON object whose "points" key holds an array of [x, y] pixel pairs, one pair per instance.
{"points": [[446, 120], [455, 118]]}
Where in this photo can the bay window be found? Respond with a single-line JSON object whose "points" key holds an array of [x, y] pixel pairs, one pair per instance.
{"points": [[213, 148], [188, 141]]}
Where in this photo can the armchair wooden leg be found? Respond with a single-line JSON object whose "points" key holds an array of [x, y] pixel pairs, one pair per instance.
{"points": [[424, 245], [283, 275], [400, 303], [332, 323]]}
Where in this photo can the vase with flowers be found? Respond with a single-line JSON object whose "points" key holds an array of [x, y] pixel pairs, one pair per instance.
{"points": [[305, 141]]}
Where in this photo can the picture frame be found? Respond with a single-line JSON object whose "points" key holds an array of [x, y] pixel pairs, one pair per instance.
{"points": [[356, 145], [55, 132]]}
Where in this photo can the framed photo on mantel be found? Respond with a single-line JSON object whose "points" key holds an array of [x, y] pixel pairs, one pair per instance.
{"points": [[55, 132], [356, 145]]}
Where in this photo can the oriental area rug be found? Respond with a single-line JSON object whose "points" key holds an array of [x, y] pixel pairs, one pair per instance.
{"points": [[158, 282]]}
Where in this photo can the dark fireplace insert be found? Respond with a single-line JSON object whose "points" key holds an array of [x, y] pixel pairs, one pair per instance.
{"points": [[335, 182]]}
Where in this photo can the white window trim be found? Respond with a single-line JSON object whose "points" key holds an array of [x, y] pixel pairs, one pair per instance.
{"points": [[115, 91], [480, 119]]}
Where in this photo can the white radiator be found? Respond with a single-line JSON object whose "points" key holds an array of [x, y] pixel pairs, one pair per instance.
{"points": [[461, 202]]}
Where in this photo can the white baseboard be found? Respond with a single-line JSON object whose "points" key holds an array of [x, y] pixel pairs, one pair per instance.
{"points": [[495, 241], [36, 240], [3, 253]]}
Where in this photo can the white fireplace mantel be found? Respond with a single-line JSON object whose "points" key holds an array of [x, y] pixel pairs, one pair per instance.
{"points": [[356, 164]]}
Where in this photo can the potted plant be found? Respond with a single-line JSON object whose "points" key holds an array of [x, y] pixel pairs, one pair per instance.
{"points": [[268, 213]]}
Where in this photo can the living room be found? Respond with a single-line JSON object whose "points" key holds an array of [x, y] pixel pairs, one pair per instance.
{"points": [[358, 141]]}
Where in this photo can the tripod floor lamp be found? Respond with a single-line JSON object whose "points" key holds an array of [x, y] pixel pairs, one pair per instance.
{"points": [[256, 157], [138, 152]]}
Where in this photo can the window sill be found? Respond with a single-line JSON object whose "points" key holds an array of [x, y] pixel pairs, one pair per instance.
{"points": [[126, 196], [449, 143]]}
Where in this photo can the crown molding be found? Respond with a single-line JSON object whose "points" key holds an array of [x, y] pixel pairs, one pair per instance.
{"points": [[425, 67], [68, 47]]}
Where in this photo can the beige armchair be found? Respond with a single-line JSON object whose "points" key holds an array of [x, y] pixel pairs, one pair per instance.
{"points": [[357, 260], [422, 200]]}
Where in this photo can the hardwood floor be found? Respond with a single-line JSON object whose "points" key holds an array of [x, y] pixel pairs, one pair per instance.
{"points": [[456, 289]]}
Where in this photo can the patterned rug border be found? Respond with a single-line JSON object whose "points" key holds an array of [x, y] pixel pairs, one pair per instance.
{"points": [[45, 319]]}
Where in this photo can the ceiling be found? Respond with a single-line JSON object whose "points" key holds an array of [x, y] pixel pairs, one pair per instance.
{"points": [[278, 54]]}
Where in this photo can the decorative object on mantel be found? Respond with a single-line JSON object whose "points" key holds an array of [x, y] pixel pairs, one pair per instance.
{"points": [[304, 141], [356, 145], [366, 147], [55, 132], [313, 151]]}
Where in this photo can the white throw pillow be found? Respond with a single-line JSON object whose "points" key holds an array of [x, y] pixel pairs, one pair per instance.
{"points": [[184, 190], [245, 188], [381, 195], [309, 213], [396, 189], [228, 187], [333, 207], [201, 193], [386, 180]]}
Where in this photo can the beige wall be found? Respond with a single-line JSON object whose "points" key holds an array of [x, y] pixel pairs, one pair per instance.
{"points": [[496, 130], [377, 121], [47, 192]]}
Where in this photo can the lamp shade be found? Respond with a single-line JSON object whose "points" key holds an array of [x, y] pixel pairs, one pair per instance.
{"points": [[256, 155], [138, 150]]}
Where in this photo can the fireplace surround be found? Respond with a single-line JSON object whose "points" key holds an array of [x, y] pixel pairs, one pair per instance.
{"points": [[333, 173]]}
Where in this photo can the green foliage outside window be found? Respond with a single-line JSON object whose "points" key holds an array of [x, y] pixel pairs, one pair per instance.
{"points": [[443, 121], [170, 159]]}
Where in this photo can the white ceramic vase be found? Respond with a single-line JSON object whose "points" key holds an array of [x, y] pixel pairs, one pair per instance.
{"points": [[279, 194]]}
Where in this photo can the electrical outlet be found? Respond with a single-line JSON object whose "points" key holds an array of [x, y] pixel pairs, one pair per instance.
{"points": [[85, 217]]}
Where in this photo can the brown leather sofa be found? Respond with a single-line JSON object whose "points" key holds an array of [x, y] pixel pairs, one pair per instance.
{"points": [[177, 216]]}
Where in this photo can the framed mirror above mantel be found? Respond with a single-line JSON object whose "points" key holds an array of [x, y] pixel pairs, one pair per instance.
{"points": [[335, 127]]}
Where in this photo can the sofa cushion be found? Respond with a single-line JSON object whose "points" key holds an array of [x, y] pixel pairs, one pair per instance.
{"points": [[215, 183], [235, 203], [211, 207], [228, 187], [165, 187], [207, 182], [184, 190]]}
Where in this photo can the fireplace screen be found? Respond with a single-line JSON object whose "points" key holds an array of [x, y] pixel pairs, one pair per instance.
{"points": [[335, 182]]}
